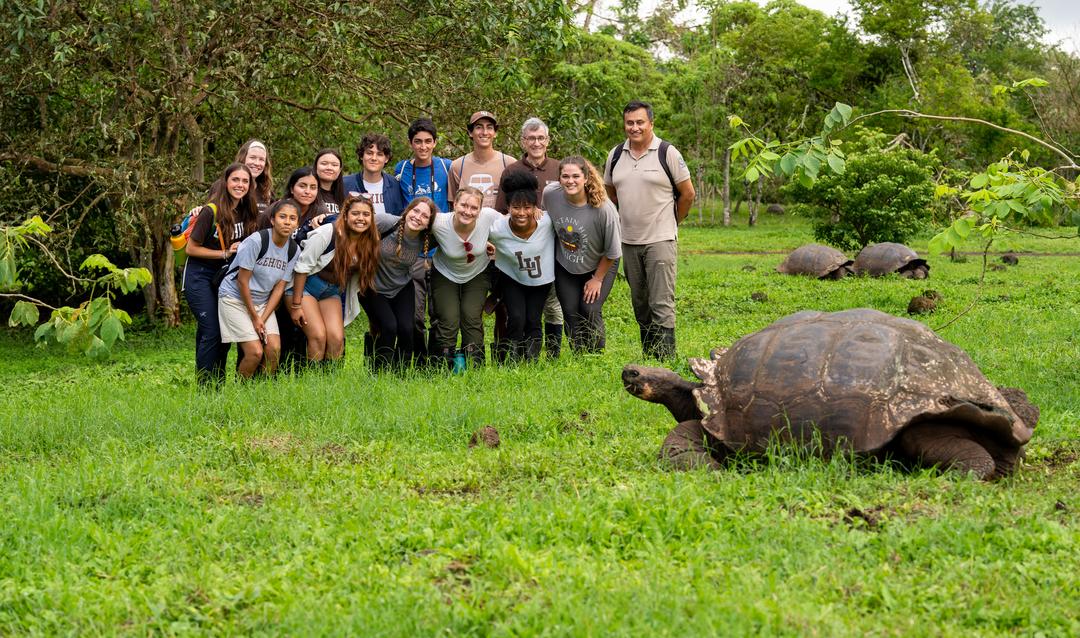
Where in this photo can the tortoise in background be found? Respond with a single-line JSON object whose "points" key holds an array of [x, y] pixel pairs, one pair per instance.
{"points": [[816, 260], [858, 380], [878, 260]]}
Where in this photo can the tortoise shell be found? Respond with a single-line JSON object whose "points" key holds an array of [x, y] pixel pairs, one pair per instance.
{"points": [[854, 378], [878, 260], [816, 260]]}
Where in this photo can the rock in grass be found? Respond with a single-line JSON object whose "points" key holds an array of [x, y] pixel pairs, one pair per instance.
{"points": [[486, 436], [749, 268], [775, 209], [997, 267], [759, 297], [920, 305], [1010, 259]]}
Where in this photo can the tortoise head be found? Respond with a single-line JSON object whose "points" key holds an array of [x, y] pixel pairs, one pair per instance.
{"points": [[660, 385]]}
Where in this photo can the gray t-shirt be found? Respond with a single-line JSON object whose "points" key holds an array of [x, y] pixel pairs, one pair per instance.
{"points": [[275, 266], [393, 271], [585, 233]]}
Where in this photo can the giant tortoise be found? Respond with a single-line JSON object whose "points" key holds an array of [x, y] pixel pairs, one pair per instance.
{"points": [[858, 380], [816, 260], [878, 260]]}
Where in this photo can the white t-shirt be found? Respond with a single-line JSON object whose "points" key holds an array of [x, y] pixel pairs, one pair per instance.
{"points": [[450, 259], [530, 262], [373, 191]]}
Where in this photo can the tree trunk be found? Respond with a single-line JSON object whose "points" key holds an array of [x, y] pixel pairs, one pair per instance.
{"points": [[198, 159], [704, 191], [727, 187], [166, 278], [145, 257], [755, 204]]}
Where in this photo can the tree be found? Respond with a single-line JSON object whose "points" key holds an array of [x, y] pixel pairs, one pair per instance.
{"points": [[139, 104]]}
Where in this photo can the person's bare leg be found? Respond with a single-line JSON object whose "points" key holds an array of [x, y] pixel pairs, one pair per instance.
{"points": [[333, 328], [314, 329], [251, 356]]}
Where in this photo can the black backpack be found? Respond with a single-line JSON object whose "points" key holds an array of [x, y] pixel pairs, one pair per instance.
{"points": [[616, 154], [228, 270]]}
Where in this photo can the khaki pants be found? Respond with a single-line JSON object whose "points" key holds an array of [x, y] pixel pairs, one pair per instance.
{"points": [[459, 308], [650, 273]]}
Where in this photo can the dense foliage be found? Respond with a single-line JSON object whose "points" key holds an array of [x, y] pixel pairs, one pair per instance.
{"points": [[117, 115], [881, 196]]}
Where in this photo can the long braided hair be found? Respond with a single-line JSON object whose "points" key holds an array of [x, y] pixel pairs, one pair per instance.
{"points": [[433, 209]]}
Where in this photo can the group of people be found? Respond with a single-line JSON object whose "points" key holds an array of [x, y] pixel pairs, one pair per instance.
{"points": [[425, 249]]}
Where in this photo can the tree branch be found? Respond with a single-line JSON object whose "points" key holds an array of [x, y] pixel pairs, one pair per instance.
{"points": [[36, 302], [67, 168], [972, 120]]}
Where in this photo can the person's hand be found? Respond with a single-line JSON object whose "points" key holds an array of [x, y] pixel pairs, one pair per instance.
{"points": [[592, 290], [260, 328], [317, 220], [490, 248], [231, 250], [538, 214], [297, 315]]}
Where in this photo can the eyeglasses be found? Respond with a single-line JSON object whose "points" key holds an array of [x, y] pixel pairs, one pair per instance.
{"points": [[536, 139], [469, 257]]}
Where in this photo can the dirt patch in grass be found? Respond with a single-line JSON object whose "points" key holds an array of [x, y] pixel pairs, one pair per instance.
{"points": [[1060, 455], [246, 498], [578, 425], [335, 454], [281, 443], [455, 582], [446, 490], [869, 518]]}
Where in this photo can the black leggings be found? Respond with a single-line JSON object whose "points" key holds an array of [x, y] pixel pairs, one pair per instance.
{"points": [[584, 321], [524, 315], [392, 323]]}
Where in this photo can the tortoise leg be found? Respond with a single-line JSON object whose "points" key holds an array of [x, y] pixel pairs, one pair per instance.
{"points": [[952, 447], [689, 447]]}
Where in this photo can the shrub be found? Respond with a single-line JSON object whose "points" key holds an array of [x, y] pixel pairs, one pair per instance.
{"points": [[881, 196]]}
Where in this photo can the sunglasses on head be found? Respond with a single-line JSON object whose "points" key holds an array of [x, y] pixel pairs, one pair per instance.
{"points": [[469, 257]]}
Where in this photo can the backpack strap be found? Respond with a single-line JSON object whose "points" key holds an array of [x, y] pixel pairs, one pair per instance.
{"points": [[293, 247], [661, 156], [330, 247], [663, 153]]}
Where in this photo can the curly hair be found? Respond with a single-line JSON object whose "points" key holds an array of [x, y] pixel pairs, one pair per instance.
{"points": [[355, 252], [594, 184]]}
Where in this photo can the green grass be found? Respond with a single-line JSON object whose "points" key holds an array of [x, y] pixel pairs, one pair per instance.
{"points": [[350, 504]]}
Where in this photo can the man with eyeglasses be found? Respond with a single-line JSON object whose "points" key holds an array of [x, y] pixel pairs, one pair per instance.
{"points": [[535, 139]]}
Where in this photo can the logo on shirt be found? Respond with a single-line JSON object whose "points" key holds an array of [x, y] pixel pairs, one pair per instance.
{"points": [[530, 265], [482, 182]]}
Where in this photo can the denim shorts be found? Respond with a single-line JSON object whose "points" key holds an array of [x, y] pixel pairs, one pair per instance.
{"points": [[320, 289]]}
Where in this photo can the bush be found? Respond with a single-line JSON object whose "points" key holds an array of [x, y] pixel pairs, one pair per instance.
{"points": [[881, 196]]}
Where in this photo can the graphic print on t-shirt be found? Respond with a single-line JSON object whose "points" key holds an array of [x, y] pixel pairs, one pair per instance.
{"points": [[483, 182], [573, 241], [529, 265]]}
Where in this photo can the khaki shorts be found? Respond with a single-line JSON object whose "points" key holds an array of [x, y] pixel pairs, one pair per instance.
{"points": [[236, 326]]}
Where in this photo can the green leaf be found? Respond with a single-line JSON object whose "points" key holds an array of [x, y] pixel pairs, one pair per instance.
{"points": [[98, 261], [939, 244], [836, 164], [787, 164], [111, 330], [24, 313], [979, 181], [96, 348], [44, 332], [734, 121], [751, 174], [845, 111]]}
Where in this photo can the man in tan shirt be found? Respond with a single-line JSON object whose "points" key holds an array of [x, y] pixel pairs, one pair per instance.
{"points": [[653, 195], [484, 166]]}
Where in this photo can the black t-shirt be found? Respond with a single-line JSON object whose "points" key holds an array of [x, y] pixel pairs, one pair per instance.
{"points": [[206, 233]]}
